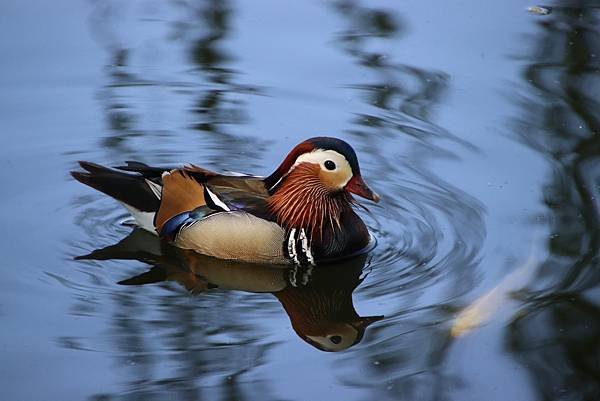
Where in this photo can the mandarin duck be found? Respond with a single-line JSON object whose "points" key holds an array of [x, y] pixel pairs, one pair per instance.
{"points": [[300, 214], [318, 302]]}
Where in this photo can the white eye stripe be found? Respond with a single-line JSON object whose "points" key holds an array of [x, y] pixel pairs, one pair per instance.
{"points": [[320, 156]]}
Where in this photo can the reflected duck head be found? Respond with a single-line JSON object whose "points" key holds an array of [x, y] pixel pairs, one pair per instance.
{"points": [[322, 311], [338, 336]]}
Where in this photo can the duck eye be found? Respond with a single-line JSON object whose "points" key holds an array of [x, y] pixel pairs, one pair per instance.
{"points": [[335, 339], [329, 165]]}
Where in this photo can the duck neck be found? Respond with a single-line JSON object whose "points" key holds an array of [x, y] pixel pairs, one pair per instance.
{"points": [[300, 200]]}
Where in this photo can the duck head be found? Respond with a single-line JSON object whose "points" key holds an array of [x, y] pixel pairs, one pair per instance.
{"points": [[328, 164], [315, 182]]}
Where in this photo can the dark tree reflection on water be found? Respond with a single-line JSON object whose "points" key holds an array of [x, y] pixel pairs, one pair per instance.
{"points": [[220, 100], [557, 334], [209, 88], [220, 103]]}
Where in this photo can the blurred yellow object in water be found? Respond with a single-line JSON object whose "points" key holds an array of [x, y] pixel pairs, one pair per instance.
{"points": [[483, 308], [539, 10]]}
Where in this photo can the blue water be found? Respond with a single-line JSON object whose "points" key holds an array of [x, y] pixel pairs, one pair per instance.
{"points": [[477, 123]]}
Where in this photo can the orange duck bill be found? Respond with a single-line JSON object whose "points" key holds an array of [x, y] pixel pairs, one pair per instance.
{"points": [[359, 187]]}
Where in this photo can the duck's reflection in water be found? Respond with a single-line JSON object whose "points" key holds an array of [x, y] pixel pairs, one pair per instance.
{"points": [[317, 300]]}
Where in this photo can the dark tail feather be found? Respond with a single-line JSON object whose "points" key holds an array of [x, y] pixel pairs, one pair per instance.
{"points": [[155, 173], [128, 188], [144, 169]]}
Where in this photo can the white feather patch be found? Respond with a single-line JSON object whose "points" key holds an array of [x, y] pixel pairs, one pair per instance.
{"points": [[291, 246], [216, 200], [156, 189], [306, 247]]}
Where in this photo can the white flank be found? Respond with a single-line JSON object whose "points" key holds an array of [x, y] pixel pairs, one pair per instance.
{"points": [[143, 219]]}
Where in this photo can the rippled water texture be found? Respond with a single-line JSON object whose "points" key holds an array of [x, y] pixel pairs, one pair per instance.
{"points": [[478, 124]]}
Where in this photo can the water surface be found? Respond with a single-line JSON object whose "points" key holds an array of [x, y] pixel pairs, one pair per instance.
{"points": [[477, 124]]}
